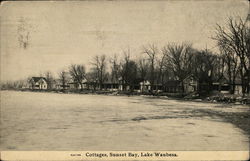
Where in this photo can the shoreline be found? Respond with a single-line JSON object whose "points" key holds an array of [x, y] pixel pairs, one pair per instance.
{"points": [[172, 96]]}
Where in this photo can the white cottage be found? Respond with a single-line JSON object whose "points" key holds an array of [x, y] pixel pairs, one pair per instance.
{"points": [[145, 86], [38, 83]]}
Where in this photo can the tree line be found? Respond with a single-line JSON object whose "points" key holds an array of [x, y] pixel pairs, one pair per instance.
{"points": [[174, 61]]}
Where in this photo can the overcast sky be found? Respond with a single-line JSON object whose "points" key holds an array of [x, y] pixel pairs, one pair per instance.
{"points": [[62, 33]]}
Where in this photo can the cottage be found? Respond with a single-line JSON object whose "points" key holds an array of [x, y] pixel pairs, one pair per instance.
{"points": [[76, 85], [132, 85], [238, 87], [121, 85], [72, 85], [145, 86], [110, 86], [190, 84], [58, 85], [38, 83]]}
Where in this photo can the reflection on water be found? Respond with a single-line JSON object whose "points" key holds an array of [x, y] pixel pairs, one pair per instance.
{"points": [[49, 121]]}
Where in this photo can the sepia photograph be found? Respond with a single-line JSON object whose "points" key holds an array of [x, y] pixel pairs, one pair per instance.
{"points": [[124, 76]]}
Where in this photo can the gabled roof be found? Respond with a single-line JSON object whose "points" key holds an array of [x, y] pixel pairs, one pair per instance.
{"points": [[36, 79], [191, 76]]}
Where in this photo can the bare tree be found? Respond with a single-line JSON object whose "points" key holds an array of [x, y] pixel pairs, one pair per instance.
{"points": [[203, 67], [49, 79], [99, 64], [234, 37], [77, 73], [92, 79], [161, 65], [179, 60], [232, 67], [151, 51], [125, 68], [115, 69], [143, 68], [63, 77], [129, 73]]}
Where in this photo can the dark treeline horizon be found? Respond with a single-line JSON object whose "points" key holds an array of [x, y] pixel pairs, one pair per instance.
{"points": [[174, 61]]}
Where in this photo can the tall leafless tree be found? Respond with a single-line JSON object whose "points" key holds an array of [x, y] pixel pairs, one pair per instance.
{"points": [[151, 51], [99, 64], [161, 66], [49, 79], [179, 60], [125, 68], [115, 69], [231, 67], [77, 73], [63, 77], [203, 67], [128, 72], [235, 38], [143, 68]]}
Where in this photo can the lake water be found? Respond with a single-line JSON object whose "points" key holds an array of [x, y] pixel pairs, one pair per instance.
{"points": [[51, 121]]}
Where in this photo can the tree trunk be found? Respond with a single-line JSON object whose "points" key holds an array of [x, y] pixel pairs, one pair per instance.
{"points": [[182, 87]]}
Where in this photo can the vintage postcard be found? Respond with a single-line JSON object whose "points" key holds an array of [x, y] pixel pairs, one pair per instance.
{"points": [[125, 80]]}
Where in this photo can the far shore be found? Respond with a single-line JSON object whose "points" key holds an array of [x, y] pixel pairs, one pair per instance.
{"points": [[215, 98]]}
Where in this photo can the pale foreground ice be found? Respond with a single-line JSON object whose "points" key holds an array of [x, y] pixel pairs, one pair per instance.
{"points": [[50, 121]]}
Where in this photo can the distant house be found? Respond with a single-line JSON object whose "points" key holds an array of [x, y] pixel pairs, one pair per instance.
{"points": [[190, 84], [173, 86], [76, 85], [133, 85], [238, 88], [107, 85], [73, 85], [91, 85], [57, 84], [122, 86], [145, 86], [38, 83], [238, 83]]}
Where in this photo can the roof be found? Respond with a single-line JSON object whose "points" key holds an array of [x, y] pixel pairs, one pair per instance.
{"points": [[191, 76], [172, 83], [36, 79], [72, 83], [145, 82]]}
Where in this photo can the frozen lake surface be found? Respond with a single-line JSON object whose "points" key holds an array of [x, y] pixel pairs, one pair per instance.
{"points": [[50, 121]]}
